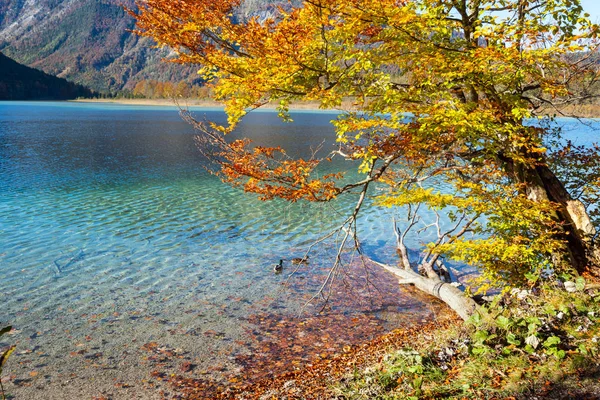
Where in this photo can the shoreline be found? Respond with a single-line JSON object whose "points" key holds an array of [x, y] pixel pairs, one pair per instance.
{"points": [[201, 103], [588, 111], [152, 102]]}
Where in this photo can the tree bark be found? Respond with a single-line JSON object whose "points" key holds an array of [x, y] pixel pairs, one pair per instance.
{"points": [[578, 231], [578, 226]]}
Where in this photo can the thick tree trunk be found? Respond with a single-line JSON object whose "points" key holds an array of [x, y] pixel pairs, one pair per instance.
{"points": [[455, 298], [579, 232], [579, 229]]}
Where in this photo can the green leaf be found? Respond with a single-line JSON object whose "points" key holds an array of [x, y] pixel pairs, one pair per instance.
{"points": [[580, 284], [512, 339], [532, 328], [552, 341], [480, 336], [416, 369], [550, 310], [529, 349], [532, 277], [417, 383], [475, 319], [5, 330], [503, 322]]}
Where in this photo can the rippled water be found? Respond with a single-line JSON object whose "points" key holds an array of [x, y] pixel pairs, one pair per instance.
{"points": [[113, 235], [115, 242]]}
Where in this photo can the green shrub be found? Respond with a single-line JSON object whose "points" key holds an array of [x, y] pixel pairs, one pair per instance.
{"points": [[510, 347]]}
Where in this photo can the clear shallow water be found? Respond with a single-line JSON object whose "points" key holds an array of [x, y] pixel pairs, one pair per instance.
{"points": [[82, 184], [114, 238]]}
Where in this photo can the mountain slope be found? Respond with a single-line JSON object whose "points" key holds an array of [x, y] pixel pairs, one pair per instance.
{"points": [[85, 41], [89, 42], [18, 82]]}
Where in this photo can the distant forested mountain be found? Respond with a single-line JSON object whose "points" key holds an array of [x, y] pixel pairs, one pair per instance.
{"points": [[89, 42], [18, 82]]}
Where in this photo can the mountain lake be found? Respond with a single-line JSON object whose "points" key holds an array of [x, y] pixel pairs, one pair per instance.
{"points": [[122, 259]]}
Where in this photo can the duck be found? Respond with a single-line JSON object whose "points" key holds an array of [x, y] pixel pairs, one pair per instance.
{"points": [[278, 267], [300, 260]]}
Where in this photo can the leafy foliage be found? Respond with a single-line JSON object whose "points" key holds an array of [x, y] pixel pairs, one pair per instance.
{"points": [[441, 92]]}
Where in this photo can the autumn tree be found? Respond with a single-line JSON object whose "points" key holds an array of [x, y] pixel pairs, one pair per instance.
{"points": [[451, 91]]}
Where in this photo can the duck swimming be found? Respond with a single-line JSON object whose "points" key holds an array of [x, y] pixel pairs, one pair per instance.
{"points": [[298, 260], [278, 267]]}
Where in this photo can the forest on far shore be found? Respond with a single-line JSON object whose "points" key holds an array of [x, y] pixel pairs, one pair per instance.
{"points": [[19, 82]]}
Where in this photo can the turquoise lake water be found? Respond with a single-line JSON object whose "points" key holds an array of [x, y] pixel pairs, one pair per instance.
{"points": [[113, 236]]}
